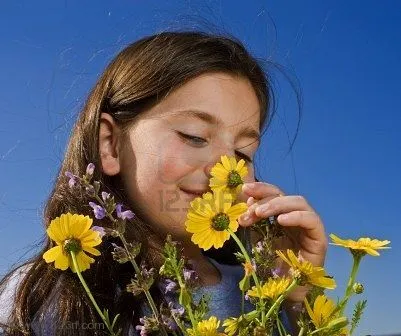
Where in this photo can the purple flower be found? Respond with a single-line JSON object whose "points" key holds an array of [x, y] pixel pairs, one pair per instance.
{"points": [[72, 178], [127, 214], [259, 247], [90, 190], [99, 212], [189, 275], [277, 272], [90, 169], [142, 329], [169, 286], [169, 323], [105, 196], [99, 229], [176, 309]]}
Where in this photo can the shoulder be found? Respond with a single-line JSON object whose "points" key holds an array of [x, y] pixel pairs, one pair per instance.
{"points": [[9, 289]]}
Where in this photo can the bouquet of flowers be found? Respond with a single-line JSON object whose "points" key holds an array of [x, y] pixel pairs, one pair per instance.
{"points": [[212, 220]]}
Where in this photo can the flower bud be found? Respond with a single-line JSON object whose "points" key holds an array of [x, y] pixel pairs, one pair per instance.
{"points": [[119, 254], [358, 288], [90, 169]]}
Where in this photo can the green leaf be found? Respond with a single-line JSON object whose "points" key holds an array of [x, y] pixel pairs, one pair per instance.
{"points": [[245, 283], [357, 314], [114, 321], [185, 298]]}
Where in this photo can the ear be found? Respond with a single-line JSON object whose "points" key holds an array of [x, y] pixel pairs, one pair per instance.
{"points": [[109, 142]]}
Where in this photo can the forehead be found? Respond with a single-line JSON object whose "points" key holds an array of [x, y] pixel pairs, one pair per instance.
{"points": [[217, 98]]}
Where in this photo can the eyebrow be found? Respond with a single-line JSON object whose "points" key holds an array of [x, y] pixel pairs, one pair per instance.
{"points": [[247, 131]]}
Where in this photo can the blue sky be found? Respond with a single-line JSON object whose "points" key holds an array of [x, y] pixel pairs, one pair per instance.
{"points": [[345, 161]]}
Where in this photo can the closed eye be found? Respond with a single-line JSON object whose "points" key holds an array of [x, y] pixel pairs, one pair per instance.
{"points": [[199, 142], [193, 139]]}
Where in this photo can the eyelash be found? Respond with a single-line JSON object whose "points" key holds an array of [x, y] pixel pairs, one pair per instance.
{"points": [[192, 138]]}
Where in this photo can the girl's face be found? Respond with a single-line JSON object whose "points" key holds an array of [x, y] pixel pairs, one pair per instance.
{"points": [[166, 157]]}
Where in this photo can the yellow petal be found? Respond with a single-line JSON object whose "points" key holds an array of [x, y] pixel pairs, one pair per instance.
{"points": [[220, 238], [219, 172], [62, 262], [243, 172], [91, 250], [284, 257], [233, 225], [310, 312], [203, 240], [226, 162], [91, 238], [195, 217], [372, 252], [324, 282], [84, 261], [52, 254], [197, 227], [233, 163], [85, 224], [240, 164], [54, 231], [222, 200], [64, 227], [237, 210]]}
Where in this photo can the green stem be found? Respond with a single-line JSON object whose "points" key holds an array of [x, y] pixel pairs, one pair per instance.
{"points": [[301, 331], [88, 292], [188, 306], [242, 302], [248, 259], [280, 327], [136, 267], [178, 322], [351, 281], [319, 330]]}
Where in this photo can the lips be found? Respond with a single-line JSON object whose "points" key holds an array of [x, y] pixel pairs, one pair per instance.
{"points": [[196, 193]]}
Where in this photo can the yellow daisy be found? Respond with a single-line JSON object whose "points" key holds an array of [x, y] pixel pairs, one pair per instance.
{"points": [[322, 314], [71, 232], [313, 275], [271, 289], [206, 328], [231, 325], [210, 216], [228, 175], [364, 245]]}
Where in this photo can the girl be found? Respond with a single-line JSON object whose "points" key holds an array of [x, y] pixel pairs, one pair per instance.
{"points": [[161, 115]]}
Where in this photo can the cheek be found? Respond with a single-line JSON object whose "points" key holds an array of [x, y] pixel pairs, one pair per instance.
{"points": [[176, 160]]}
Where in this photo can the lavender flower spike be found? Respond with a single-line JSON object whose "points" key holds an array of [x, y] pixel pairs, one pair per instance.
{"points": [[127, 214], [189, 275], [99, 212], [105, 196], [72, 179], [176, 309], [170, 286], [90, 169]]}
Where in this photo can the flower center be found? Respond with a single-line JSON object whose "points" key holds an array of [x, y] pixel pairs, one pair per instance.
{"points": [[220, 222], [72, 245], [234, 179]]}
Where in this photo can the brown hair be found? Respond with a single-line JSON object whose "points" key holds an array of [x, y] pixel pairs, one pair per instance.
{"points": [[139, 77]]}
